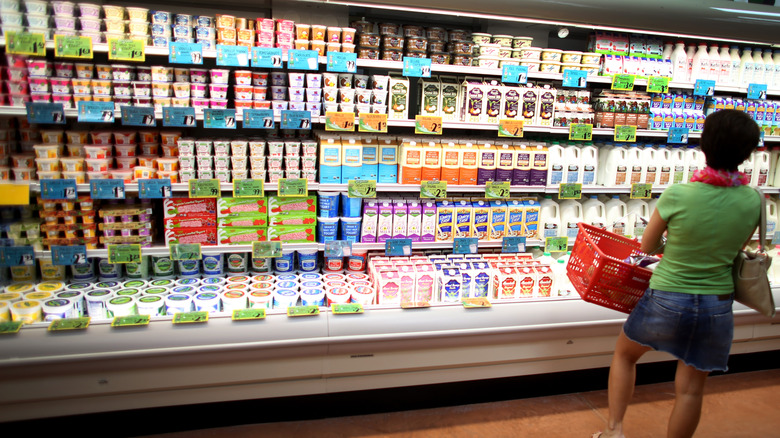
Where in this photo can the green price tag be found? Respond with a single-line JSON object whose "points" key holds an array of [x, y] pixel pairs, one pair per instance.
{"points": [[570, 191], [248, 314], [264, 250], [204, 188], [126, 50], [625, 133], [556, 244], [581, 131], [433, 189], [124, 253], [641, 191], [497, 189], [476, 303], [185, 251], [8, 328], [623, 82], [295, 187], [248, 188], [73, 47], [357, 188], [25, 43], [190, 317], [69, 324], [347, 309], [303, 311], [130, 321], [657, 84]]}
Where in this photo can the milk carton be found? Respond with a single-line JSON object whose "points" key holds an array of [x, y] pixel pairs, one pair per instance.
{"points": [[472, 105], [545, 280], [426, 277], [467, 279], [531, 218], [494, 95], [370, 167], [400, 214], [539, 165], [351, 160], [385, 221], [452, 160], [445, 221], [486, 164], [429, 220], [505, 283], [389, 287], [414, 220], [530, 100], [330, 161], [483, 282], [510, 106], [521, 168], [368, 225], [505, 162], [469, 170], [411, 163], [388, 161], [481, 210], [464, 218], [497, 220], [545, 111], [527, 282], [407, 279], [450, 284], [431, 164], [515, 218], [398, 98], [429, 90], [450, 94]]}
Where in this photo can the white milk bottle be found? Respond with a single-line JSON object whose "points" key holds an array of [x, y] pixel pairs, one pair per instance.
{"points": [[562, 283], [758, 67], [590, 164], [690, 52], [616, 212], [679, 63], [614, 169], [745, 67], [650, 169], [555, 169], [546, 259], [714, 57], [771, 216], [664, 165], [572, 167], [594, 212], [736, 61], [637, 210], [775, 267], [635, 165], [769, 69], [691, 162], [776, 80], [678, 165], [549, 218], [700, 69], [748, 167], [571, 215], [761, 161], [667, 52], [724, 75], [774, 154]]}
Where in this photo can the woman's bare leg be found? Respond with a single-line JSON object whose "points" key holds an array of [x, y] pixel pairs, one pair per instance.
{"points": [[689, 392], [622, 377]]}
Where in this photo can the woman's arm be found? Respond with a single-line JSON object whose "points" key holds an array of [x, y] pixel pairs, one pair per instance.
{"points": [[651, 239]]}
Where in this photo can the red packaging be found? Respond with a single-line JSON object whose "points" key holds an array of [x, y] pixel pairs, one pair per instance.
{"points": [[174, 207], [203, 235], [194, 220]]}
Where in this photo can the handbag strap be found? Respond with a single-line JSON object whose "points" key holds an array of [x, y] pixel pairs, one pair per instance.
{"points": [[761, 221]]}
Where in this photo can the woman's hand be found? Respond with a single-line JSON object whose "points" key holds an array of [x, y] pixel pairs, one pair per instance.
{"points": [[652, 237]]}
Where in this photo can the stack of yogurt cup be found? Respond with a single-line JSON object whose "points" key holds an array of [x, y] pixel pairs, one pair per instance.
{"points": [[35, 18]]}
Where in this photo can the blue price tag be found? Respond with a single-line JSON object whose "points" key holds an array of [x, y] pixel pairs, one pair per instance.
{"points": [[45, 113], [154, 188], [303, 60], [138, 116], [18, 256], [756, 91], [107, 189], [338, 248], [296, 119], [232, 56], [575, 78], [704, 87], [219, 118], [68, 255], [776, 238], [185, 53], [179, 117], [678, 135], [342, 62], [761, 139], [96, 112], [465, 245], [513, 244], [417, 67], [514, 74], [58, 189], [398, 247], [267, 57], [258, 119]]}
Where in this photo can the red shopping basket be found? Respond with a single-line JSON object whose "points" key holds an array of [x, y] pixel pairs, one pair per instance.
{"points": [[599, 274]]}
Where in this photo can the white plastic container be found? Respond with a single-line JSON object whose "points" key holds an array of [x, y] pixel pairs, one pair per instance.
{"points": [[713, 72], [701, 64], [594, 212], [679, 63], [637, 209], [571, 214], [649, 159], [635, 165], [555, 170], [572, 160], [758, 67], [678, 165], [692, 162], [549, 218], [761, 162], [590, 164], [616, 214], [613, 166], [745, 67], [664, 167]]}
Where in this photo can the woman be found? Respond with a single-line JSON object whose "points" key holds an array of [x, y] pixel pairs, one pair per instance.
{"points": [[686, 311]]}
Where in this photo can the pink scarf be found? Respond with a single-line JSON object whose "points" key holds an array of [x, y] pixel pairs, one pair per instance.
{"points": [[722, 178]]}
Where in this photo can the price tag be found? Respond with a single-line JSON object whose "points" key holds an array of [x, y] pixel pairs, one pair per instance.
{"points": [[776, 238], [299, 119], [154, 188], [185, 251], [677, 135], [25, 43], [361, 188], [338, 248], [130, 321], [761, 139], [704, 87], [15, 194], [510, 128], [511, 244], [417, 67], [45, 113], [138, 116], [465, 245], [178, 117], [69, 324], [339, 121], [73, 47], [623, 82], [259, 119], [190, 317], [293, 187], [247, 188], [398, 247], [342, 62], [303, 60], [625, 133], [58, 189], [346, 309], [96, 112], [575, 78], [232, 56], [68, 255], [8, 328], [514, 74], [248, 314], [433, 189], [126, 50], [267, 57], [370, 122], [415, 304], [303, 311], [219, 118], [497, 189], [476, 303], [107, 189], [204, 188], [657, 84], [581, 131], [185, 53], [756, 91], [265, 250], [18, 256], [641, 190], [124, 253], [556, 244], [570, 191], [428, 125]]}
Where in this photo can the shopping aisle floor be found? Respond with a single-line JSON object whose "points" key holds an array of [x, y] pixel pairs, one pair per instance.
{"points": [[735, 406]]}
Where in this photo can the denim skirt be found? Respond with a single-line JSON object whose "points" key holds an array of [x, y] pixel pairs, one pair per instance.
{"points": [[697, 329]]}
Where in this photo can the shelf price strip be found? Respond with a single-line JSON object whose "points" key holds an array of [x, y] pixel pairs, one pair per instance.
{"points": [[66, 324], [370, 122], [339, 121], [511, 244], [570, 191], [433, 189], [248, 188], [185, 251], [25, 43], [124, 253], [190, 317], [347, 309], [73, 47], [45, 113], [130, 321], [262, 250], [510, 128], [623, 82], [581, 131], [361, 188], [641, 190], [428, 125], [126, 50], [497, 189], [658, 84], [204, 188], [625, 133], [293, 187], [303, 311], [248, 314], [556, 244]]}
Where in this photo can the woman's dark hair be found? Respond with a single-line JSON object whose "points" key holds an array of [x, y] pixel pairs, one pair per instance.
{"points": [[728, 139]]}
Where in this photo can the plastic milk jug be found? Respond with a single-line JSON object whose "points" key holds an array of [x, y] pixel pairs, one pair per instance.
{"points": [[745, 67], [748, 167], [594, 212], [664, 166], [549, 218], [330, 161], [411, 163], [691, 162], [769, 69], [636, 210], [572, 164], [555, 168], [724, 75], [431, 165], [761, 161], [614, 168], [468, 170], [771, 217], [701, 64], [758, 67], [736, 61], [714, 57], [571, 214], [635, 165], [590, 164], [452, 159], [679, 63], [649, 157], [678, 165], [616, 212], [775, 267]]}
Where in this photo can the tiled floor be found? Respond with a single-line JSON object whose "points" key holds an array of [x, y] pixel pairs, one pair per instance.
{"points": [[735, 406]]}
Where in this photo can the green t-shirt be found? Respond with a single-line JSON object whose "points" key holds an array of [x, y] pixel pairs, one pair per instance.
{"points": [[707, 226]]}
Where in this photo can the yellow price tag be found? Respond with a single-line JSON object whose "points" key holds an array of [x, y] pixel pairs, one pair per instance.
{"points": [[510, 128], [428, 125], [370, 122], [339, 121], [15, 194]]}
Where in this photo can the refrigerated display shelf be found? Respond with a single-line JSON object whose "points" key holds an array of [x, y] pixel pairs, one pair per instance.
{"points": [[35, 187]]}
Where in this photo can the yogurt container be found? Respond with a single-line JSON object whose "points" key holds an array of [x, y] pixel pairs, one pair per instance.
{"points": [[152, 305], [97, 303], [26, 311], [284, 298], [178, 303]]}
